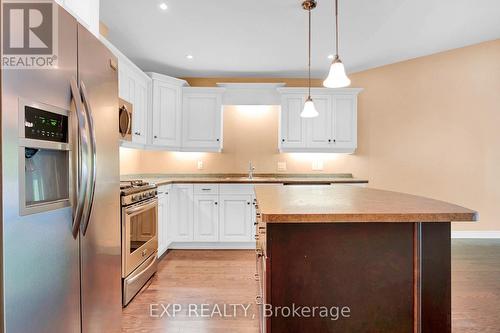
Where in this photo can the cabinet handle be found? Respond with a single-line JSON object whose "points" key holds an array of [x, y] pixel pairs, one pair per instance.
{"points": [[215, 202], [282, 140], [137, 133], [329, 140], [206, 189], [248, 203], [155, 137], [334, 140], [218, 140]]}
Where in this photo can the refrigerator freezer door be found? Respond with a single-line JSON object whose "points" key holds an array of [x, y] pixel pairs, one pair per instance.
{"points": [[101, 244], [41, 263]]}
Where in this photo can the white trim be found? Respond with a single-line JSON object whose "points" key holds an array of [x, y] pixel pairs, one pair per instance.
{"points": [[212, 245], [475, 234], [168, 79]]}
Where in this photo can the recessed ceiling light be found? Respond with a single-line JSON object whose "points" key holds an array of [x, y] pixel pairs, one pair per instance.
{"points": [[189, 57], [163, 6], [330, 56]]}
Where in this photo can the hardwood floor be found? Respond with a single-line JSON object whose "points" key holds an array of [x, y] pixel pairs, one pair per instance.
{"points": [[227, 277], [197, 277], [476, 286]]}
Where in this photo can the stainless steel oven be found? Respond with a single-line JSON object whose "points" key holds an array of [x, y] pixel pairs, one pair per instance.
{"points": [[139, 237], [125, 120]]}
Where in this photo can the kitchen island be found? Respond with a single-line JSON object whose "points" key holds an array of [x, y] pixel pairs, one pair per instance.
{"points": [[377, 261]]}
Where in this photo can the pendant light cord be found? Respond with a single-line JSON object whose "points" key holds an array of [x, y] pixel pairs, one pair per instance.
{"points": [[309, 64], [336, 28]]}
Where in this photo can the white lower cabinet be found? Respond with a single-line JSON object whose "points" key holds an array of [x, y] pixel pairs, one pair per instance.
{"points": [[164, 193], [236, 218], [182, 213], [206, 218], [211, 216]]}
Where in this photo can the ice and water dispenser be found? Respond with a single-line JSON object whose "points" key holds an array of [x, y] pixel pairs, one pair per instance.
{"points": [[44, 158]]}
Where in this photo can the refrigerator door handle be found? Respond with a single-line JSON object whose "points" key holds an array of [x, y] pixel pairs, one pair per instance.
{"points": [[92, 157], [82, 171]]}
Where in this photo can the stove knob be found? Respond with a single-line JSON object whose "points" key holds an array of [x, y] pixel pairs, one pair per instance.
{"points": [[134, 198]]}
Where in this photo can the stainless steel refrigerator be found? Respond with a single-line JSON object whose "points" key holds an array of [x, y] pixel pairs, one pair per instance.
{"points": [[60, 190]]}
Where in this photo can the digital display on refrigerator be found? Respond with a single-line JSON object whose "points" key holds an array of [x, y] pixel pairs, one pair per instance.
{"points": [[45, 125]]}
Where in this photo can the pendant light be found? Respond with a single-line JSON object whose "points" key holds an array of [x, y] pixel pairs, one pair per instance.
{"points": [[337, 77], [309, 110]]}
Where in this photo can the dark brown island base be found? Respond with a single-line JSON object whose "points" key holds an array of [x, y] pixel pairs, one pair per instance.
{"points": [[348, 259]]}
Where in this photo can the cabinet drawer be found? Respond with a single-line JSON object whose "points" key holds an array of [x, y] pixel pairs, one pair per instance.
{"points": [[237, 189], [206, 189]]}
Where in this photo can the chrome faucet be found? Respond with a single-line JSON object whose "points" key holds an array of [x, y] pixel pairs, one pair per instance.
{"points": [[251, 169]]}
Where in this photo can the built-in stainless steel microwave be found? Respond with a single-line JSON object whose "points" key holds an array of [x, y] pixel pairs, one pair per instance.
{"points": [[125, 120]]}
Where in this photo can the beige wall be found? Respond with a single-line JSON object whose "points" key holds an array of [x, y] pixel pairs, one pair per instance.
{"points": [[428, 126]]}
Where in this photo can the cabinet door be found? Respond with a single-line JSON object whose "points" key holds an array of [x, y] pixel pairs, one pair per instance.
{"points": [[319, 131], [206, 218], [235, 218], [344, 122], [139, 89], [123, 85], [201, 119], [182, 213], [163, 219], [166, 114], [292, 126]]}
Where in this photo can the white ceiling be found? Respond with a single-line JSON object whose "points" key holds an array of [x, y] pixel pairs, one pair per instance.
{"points": [[258, 38]]}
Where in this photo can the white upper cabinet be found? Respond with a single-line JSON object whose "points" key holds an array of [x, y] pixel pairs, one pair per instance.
{"points": [[167, 111], [202, 119], [344, 121], [319, 133], [134, 86], [333, 131], [85, 11], [292, 126]]}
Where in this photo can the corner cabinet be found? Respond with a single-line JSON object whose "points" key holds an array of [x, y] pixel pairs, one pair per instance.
{"points": [[333, 131], [202, 119], [167, 111], [134, 86]]}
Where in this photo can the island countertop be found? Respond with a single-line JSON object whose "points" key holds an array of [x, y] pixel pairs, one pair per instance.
{"points": [[314, 204]]}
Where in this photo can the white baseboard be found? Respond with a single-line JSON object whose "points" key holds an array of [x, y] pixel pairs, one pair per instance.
{"points": [[475, 234], [212, 246]]}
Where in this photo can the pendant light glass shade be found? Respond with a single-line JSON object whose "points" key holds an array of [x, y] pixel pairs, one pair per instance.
{"points": [[309, 110], [337, 77]]}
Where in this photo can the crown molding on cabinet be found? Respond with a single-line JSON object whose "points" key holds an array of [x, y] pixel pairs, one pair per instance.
{"points": [[251, 93], [168, 79]]}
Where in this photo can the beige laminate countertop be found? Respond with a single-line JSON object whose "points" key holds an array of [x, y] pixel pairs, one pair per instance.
{"points": [[238, 179], [315, 204]]}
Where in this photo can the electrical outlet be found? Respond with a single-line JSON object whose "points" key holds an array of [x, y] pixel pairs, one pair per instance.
{"points": [[281, 166], [200, 165], [317, 165]]}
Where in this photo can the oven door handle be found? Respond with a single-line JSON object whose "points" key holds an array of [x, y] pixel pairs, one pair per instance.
{"points": [[135, 278], [142, 207]]}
